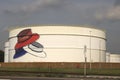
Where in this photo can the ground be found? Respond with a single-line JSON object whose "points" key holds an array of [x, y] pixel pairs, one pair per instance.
{"points": [[54, 78]]}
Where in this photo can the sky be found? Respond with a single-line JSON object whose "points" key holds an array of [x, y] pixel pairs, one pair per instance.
{"points": [[103, 14]]}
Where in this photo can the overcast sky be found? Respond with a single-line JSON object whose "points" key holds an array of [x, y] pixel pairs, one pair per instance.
{"points": [[104, 14]]}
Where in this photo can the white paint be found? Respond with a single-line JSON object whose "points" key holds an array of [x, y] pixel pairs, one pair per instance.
{"points": [[63, 44], [6, 55], [108, 57], [115, 58]]}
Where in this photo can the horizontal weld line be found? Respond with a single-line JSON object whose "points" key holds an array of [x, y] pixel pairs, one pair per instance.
{"points": [[68, 35], [66, 48]]}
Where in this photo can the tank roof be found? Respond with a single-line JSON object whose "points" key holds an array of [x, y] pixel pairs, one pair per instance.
{"points": [[84, 26]]}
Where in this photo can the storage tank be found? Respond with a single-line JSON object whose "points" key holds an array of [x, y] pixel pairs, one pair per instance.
{"points": [[108, 56], [6, 55], [57, 44], [115, 58]]}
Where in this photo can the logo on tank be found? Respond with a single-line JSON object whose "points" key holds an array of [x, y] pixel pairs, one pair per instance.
{"points": [[26, 44]]}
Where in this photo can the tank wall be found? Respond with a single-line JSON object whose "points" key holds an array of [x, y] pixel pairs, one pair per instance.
{"points": [[62, 30], [115, 58], [62, 44], [67, 41], [6, 55], [54, 55], [107, 57]]}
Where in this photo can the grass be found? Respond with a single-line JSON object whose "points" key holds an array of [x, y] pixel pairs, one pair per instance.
{"points": [[57, 71], [110, 72]]}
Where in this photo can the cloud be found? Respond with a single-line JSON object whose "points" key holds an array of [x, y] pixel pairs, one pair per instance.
{"points": [[46, 11], [112, 13], [34, 6], [21, 13], [117, 3]]}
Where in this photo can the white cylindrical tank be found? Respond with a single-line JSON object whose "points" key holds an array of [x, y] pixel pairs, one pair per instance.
{"points": [[107, 57], [115, 58], [6, 55], [57, 44]]}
